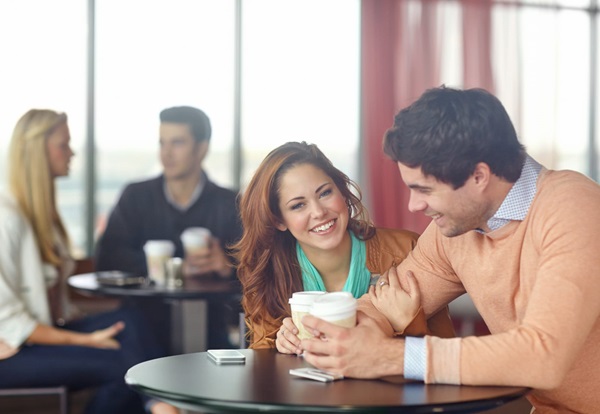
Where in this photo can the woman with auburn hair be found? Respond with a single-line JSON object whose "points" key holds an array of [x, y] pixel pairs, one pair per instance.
{"points": [[305, 228], [43, 340]]}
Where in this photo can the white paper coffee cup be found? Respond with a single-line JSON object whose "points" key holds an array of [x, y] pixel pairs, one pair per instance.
{"points": [[157, 253], [196, 240], [300, 304], [336, 307]]}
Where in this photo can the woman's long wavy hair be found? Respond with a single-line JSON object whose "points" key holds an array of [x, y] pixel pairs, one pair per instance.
{"points": [[30, 180], [268, 267]]}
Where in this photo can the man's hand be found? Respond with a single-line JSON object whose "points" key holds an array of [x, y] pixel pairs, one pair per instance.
{"points": [[360, 352], [207, 261]]}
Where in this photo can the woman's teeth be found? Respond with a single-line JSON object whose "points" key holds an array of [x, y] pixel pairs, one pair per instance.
{"points": [[324, 227]]}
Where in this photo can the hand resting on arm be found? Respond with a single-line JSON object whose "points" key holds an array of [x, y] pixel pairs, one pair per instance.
{"points": [[398, 304]]}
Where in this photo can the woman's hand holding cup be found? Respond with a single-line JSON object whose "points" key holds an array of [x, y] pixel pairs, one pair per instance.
{"points": [[287, 340]]}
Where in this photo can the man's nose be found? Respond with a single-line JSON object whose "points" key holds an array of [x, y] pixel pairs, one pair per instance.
{"points": [[416, 203]]}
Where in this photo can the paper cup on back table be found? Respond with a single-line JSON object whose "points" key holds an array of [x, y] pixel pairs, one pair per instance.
{"points": [[196, 240], [300, 304], [157, 253], [336, 307]]}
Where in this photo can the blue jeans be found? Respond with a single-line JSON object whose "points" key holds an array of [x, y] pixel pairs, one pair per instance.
{"points": [[82, 367]]}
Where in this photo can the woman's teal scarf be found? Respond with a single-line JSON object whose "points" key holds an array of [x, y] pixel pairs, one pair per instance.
{"points": [[358, 276]]}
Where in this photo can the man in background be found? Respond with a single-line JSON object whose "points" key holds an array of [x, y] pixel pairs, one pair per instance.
{"points": [[161, 208]]}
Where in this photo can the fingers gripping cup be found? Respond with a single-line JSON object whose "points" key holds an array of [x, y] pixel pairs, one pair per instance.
{"points": [[157, 253], [300, 303], [336, 307], [196, 240]]}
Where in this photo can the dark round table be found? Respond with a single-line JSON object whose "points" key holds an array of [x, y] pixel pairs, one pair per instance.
{"points": [[263, 384], [194, 288]]}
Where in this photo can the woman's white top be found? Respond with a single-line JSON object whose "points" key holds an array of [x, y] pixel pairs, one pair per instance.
{"points": [[24, 279]]}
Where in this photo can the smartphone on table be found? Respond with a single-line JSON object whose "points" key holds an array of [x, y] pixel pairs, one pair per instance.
{"points": [[226, 356]]}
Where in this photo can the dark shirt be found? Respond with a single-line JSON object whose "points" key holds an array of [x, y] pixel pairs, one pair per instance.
{"points": [[143, 213]]}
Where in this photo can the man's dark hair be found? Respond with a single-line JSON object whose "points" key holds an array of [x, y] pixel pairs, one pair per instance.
{"points": [[193, 117], [447, 132]]}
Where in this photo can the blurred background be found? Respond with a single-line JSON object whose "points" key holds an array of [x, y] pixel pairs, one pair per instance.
{"points": [[330, 72]]}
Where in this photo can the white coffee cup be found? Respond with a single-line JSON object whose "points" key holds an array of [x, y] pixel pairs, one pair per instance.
{"points": [[300, 304], [196, 240], [157, 253], [336, 307]]}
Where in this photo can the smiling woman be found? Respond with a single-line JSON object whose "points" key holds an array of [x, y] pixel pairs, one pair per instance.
{"points": [[314, 211], [305, 228]]}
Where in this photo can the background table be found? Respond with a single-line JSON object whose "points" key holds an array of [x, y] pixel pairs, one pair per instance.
{"points": [[189, 321], [263, 384]]}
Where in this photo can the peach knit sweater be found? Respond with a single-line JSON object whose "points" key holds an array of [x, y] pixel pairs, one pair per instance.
{"points": [[536, 283]]}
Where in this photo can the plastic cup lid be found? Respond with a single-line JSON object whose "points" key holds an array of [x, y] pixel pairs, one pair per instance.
{"points": [[159, 247], [334, 302], [195, 235], [306, 297]]}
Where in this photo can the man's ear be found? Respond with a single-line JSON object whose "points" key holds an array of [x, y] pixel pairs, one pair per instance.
{"points": [[482, 174], [281, 227], [202, 148]]}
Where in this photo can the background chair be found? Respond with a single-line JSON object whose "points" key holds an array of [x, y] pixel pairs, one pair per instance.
{"points": [[61, 392], [466, 318]]}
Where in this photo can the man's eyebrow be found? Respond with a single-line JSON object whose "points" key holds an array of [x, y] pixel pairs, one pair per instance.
{"points": [[418, 187], [175, 138]]}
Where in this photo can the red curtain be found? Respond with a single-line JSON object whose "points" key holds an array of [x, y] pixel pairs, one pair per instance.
{"points": [[477, 44], [401, 58]]}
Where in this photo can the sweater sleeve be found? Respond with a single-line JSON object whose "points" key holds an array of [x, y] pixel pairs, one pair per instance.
{"points": [[366, 306], [438, 324], [389, 248]]}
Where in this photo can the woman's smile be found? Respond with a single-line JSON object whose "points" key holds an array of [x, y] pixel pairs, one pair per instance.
{"points": [[324, 228]]}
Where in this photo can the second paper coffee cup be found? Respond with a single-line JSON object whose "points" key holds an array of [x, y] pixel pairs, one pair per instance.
{"points": [[336, 307]]}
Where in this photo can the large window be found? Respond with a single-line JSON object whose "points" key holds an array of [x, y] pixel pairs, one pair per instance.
{"points": [[299, 82], [175, 52], [554, 85], [546, 77], [299, 65], [300, 79]]}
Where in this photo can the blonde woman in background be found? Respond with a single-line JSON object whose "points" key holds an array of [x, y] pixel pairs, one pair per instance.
{"points": [[43, 341]]}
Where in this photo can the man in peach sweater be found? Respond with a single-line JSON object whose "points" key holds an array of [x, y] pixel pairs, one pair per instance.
{"points": [[522, 240]]}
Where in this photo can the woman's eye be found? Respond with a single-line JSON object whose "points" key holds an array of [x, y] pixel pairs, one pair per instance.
{"points": [[326, 193], [297, 206]]}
